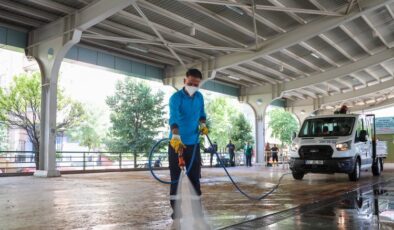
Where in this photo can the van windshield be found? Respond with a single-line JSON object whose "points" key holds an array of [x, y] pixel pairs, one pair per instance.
{"points": [[329, 126]]}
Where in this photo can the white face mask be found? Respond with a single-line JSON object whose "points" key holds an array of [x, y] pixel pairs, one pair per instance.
{"points": [[191, 89]]}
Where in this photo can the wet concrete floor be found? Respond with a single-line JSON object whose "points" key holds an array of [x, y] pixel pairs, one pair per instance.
{"points": [[134, 200]]}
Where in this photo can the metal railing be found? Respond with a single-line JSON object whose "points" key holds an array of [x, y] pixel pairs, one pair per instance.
{"points": [[23, 162]]}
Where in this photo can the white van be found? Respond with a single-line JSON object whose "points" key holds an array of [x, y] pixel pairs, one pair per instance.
{"points": [[339, 143]]}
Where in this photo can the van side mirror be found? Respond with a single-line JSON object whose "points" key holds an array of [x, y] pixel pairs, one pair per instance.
{"points": [[293, 135], [363, 136]]}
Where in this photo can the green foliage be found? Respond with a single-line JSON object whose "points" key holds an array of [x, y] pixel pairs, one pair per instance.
{"points": [[3, 138], [220, 115], [20, 107], [90, 132], [136, 116], [241, 132], [283, 124]]}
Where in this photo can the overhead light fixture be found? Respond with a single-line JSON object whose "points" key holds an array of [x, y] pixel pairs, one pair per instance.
{"points": [[259, 101], [315, 55], [193, 31], [137, 48], [236, 10], [233, 77], [302, 112]]}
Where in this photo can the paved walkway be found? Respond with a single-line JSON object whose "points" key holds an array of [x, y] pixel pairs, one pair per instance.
{"points": [[134, 200]]}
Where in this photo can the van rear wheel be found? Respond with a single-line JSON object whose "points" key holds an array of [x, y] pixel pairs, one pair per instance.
{"points": [[298, 175], [355, 175]]}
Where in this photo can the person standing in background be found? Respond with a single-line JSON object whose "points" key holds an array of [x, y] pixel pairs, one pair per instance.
{"points": [[248, 154]]}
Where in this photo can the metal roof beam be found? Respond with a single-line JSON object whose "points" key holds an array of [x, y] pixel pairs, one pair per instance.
{"points": [[19, 19], [150, 24], [119, 28], [242, 77], [186, 22], [295, 36], [281, 75], [269, 8], [322, 91], [222, 19], [255, 74], [85, 18], [320, 54], [355, 39], [261, 19], [357, 93], [341, 71], [291, 14], [380, 36], [53, 6], [30, 11], [309, 93], [390, 11], [337, 47], [302, 60], [285, 65]]}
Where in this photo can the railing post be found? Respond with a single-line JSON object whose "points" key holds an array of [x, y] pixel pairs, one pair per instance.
{"points": [[135, 160], [84, 161], [120, 160]]}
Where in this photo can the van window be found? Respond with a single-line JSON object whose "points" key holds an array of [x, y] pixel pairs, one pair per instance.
{"points": [[329, 126]]}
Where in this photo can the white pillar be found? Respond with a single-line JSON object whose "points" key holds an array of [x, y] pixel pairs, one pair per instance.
{"points": [[259, 103], [49, 55], [260, 139]]}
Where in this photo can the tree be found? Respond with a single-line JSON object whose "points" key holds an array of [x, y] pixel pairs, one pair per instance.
{"points": [[283, 124], [20, 107], [241, 132], [136, 115], [220, 116], [3, 137], [91, 131]]}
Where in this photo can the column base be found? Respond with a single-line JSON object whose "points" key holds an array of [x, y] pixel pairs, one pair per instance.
{"points": [[47, 173]]}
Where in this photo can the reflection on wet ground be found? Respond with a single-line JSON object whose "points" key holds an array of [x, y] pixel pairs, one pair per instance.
{"points": [[133, 200], [368, 207]]}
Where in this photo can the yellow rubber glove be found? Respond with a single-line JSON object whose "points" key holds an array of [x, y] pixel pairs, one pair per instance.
{"points": [[176, 143], [204, 129]]}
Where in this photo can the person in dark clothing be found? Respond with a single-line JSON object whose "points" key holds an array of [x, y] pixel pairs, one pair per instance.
{"points": [[274, 153], [212, 150], [231, 148], [248, 154], [187, 120]]}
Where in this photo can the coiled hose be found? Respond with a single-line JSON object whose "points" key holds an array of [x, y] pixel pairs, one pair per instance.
{"points": [[256, 198]]}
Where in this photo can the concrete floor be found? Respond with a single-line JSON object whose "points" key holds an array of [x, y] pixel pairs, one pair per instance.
{"points": [[134, 200]]}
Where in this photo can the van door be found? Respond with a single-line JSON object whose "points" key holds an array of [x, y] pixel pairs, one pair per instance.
{"points": [[362, 147], [370, 124]]}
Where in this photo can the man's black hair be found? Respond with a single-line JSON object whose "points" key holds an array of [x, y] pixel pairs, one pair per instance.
{"points": [[194, 73]]}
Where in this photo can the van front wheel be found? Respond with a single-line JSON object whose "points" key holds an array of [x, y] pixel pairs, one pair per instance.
{"points": [[355, 175], [298, 175]]}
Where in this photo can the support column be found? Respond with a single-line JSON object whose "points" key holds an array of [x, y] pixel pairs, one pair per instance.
{"points": [[49, 54], [259, 103]]}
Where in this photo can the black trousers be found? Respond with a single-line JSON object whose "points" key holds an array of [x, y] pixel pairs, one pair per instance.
{"points": [[249, 160], [175, 171], [232, 159]]}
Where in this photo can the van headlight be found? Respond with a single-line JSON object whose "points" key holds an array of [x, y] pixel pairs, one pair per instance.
{"points": [[294, 147], [343, 146]]}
